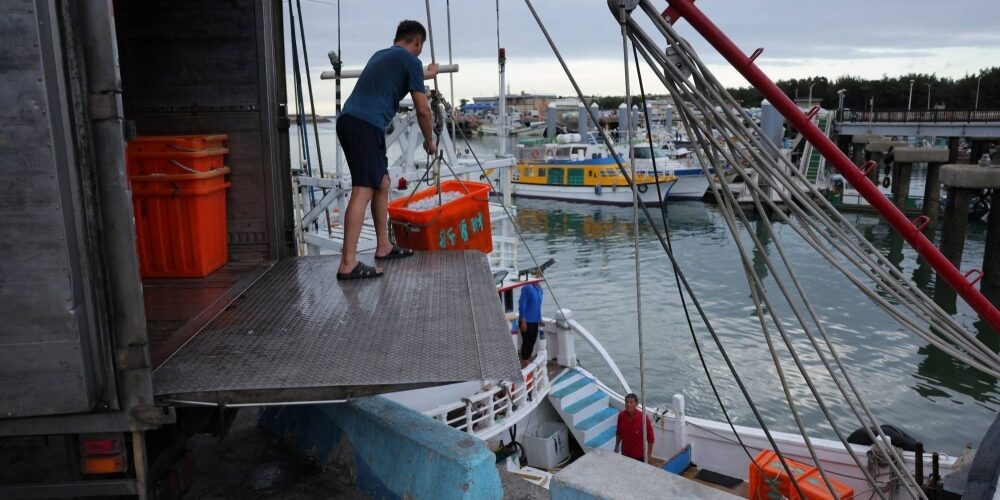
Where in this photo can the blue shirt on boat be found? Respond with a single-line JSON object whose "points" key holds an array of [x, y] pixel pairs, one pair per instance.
{"points": [[529, 307], [389, 75]]}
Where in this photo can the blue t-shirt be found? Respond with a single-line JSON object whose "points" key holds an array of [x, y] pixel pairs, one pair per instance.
{"points": [[389, 75], [529, 306]]}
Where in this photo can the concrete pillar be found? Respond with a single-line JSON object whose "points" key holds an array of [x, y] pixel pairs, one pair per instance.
{"points": [[901, 183], [876, 174], [978, 148], [991, 258], [932, 198], [952, 150], [955, 223], [771, 122], [622, 121], [550, 121], [581, 120], [962, 182], [668, 118]]}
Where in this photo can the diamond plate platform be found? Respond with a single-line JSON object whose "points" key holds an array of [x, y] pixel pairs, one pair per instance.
{"points": [[299, 335]]}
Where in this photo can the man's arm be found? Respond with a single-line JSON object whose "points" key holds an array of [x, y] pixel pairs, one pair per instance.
{"points": [[649, 439], [423, 110], [431, 71], [522, 303], [618, 435]]}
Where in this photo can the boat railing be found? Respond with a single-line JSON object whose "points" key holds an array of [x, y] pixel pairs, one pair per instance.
{"points": [[498, 405]]}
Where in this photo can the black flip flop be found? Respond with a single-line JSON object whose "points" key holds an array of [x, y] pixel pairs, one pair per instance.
{"points": [[397, 252], [360, 272]]}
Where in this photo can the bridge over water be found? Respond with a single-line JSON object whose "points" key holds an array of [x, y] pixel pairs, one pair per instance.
{"points": [[969, 124]]}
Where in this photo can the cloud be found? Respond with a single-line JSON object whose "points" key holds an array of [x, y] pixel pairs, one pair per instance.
{"points": [[800, 38]]}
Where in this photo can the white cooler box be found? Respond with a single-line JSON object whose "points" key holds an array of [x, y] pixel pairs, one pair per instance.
{"points": [[547, 445]]}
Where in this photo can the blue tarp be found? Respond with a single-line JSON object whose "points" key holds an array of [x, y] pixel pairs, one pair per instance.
{"points": [[478, 106]]}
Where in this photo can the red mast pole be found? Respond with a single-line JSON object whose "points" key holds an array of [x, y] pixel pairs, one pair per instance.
{"points": [[910, 232]]}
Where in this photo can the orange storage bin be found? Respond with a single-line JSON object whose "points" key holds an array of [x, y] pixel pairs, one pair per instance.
{"points": [[807, 477], [459, 224], [176, 154], [176, 143], [175, 162], [180, 223]]}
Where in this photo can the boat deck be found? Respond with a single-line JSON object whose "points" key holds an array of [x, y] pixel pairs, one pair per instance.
{"points": [[292, 333]]}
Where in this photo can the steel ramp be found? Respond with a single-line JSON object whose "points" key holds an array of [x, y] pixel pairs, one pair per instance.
{"points": [[298, 335]]}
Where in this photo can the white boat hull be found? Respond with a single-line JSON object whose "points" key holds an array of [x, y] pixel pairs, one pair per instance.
{"points": [[607, 195]]}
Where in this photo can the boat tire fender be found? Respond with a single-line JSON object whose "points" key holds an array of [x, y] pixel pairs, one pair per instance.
{"points": [[898, 437], [643, 188]]}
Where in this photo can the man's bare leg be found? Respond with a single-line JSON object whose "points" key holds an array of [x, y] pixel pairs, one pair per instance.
{"points": [[353, 220], [380, 214]]}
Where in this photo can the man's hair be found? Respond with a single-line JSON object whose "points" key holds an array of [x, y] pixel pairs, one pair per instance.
{"points": [[633, 397], [408, 29]]}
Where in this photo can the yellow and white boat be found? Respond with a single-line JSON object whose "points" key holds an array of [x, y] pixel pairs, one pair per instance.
{"points": [[580, 172]]}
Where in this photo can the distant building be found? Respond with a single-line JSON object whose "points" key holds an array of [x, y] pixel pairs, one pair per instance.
{"points": [[528, 105]]}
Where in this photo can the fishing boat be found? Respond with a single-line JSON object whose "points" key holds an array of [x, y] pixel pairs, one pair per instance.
{"points": [[572, 170], [691, 181]]}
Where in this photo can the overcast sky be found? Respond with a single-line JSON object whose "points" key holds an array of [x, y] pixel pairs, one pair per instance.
{"points": [[801, 38]]}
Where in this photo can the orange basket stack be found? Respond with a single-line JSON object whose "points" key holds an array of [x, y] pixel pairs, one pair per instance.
{"points": [[768, 474], [462, 223], [179, 200]]}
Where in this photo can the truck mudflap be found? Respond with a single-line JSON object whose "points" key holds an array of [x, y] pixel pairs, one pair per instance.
{"points": [[299, 335]]}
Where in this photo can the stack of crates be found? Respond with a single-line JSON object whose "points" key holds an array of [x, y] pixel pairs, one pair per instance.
{"points": [[768, 479], [179, 198]]}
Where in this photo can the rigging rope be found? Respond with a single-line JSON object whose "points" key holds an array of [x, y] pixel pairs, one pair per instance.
{"points": [[660, 238], [635, 228]]}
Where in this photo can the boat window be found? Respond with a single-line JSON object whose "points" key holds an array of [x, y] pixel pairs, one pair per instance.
{"points": [[645, 153], [580, 151], [562, 152], [541, 172]]}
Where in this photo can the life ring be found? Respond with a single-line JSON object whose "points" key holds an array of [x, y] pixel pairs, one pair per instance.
{"points": [[886, 182], [643, 188], [535, 154]]}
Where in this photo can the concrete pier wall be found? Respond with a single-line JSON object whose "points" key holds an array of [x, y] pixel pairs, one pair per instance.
{"points": [[390, 451]]}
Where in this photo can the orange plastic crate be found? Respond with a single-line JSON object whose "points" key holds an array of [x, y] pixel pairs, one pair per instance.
{"points": [[176, 143], [460, 224], [174, 162], [180, 223], [807, 477]]}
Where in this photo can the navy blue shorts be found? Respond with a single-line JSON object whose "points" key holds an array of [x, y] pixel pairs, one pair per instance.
{"points": [[364, 149]]}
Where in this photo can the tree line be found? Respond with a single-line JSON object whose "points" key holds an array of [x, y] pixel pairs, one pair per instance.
{"points": [[888, 92]]}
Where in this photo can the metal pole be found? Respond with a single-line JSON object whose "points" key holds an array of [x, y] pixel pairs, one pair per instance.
{"points": [[978, 82], [929, 95], [909, 103], [811, 94], [742, 63]]}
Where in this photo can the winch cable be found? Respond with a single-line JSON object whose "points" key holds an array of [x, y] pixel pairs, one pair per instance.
{"points": [[677, 281], [635, 227], [889, 284], [904, 320], [312, 106], [451, 76], [700, 136], [662, 241], [677, 92], [300, 104], [895, 278]]}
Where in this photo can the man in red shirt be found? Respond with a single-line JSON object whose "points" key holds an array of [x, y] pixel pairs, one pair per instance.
{"points": [[628, 437]]}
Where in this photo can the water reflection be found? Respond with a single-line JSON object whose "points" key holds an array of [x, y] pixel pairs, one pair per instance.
{"points": [[908, 383]]}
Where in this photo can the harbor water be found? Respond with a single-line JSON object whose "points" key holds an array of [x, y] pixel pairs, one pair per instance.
{"points": [[906, 382]]}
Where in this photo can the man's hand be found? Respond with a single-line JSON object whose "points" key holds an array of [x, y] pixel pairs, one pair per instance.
{"points": [[524, 326], [431, 71], [430, 147]]}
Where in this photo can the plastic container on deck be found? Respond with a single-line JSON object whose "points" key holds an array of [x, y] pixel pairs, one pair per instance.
{"points": [[808, 478], [547, 446], [176, 154], [459, 224], [180, 223]]}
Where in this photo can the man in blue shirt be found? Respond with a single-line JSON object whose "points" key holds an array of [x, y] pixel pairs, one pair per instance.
{"points": [[529, 312], [388, 76]]}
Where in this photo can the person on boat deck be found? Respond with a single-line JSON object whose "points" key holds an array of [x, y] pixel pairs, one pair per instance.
{"points": [[529, 316], [388, 76], [628, 437]]}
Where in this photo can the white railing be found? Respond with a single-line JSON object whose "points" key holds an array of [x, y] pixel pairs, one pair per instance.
{"points": [[498, 406]]}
